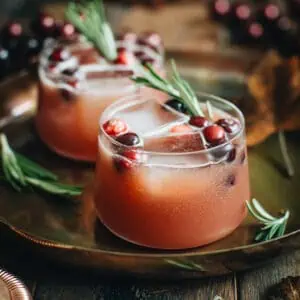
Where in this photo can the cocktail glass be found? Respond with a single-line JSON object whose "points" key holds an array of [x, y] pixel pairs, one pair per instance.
{"points": [[172, 189]]}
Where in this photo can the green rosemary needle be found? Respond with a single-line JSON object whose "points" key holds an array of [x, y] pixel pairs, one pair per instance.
{"points": [[89, 18], [21, 173], [177, 87], [273, 227]]}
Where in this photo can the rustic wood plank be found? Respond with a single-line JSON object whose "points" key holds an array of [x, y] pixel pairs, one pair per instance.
{"points": [[79, 288], [254, 285]]}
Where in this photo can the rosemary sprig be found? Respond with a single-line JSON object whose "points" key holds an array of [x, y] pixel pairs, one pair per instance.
{"points": [[285, 154], [273, 227], [23, 173], [89, 18], [177, 87]]}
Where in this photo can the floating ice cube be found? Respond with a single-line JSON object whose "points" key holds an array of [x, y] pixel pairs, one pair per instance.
{"points": [[150, 118]]}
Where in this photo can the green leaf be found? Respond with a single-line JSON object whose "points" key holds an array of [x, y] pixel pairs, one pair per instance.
{"points": [[32, 169], [273, 227], [94, 26], [55, 188]]}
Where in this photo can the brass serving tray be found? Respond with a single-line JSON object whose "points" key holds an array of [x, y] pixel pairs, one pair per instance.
{"points": [[69, 233]]}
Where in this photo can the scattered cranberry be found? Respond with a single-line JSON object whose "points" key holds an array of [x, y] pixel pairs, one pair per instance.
{"points": [[60, 54], [199, 121], [122, 58], [230, 125], [45, 25], [180, 128], [129, 139], [68, 30], [115, 127], [177, 105], [14, 29], [214, 134], [221, 9]]}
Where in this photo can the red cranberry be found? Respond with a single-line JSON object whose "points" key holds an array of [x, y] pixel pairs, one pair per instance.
{"points": [[60, 54], [129, 139], [214, 134], [115, 127], [199, 121], [14, 29], [255, 30], [45, 25], [131, 156], [122, 58], [231, 126], [180, 128], [67, 30], [122, 164], [221, 9]]}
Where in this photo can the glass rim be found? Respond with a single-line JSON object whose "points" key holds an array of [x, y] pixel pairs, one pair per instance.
{"points": [[129, 87], [112, 108]]}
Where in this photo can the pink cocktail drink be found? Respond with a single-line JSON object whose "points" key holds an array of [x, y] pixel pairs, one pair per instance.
{"points": [[77, 84], [163, 181]]}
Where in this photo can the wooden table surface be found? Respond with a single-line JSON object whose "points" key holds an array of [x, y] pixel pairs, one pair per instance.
{"points": [[50, 281], [46, 280]]}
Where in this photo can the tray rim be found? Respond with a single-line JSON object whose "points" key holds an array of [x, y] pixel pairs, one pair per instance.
{"points": [[176, 253], [17, 289]]}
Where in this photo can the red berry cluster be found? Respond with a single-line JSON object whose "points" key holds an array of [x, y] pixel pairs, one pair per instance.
{"points": [[18, 49], [128, 152], [214, 133], [269, 23]]}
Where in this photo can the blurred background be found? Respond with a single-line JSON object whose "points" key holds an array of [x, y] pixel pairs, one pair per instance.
{"points": [[244, 50]]}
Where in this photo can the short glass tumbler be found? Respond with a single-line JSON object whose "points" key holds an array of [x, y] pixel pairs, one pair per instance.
{"points": [[173, 192]]}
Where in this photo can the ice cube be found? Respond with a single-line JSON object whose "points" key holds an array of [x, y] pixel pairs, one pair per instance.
{"points": [[149, 117]]}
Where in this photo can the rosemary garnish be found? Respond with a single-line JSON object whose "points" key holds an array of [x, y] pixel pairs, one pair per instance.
{"points": [[89, 18], [273, 227], [209, 110], [23, 173], [285, 154], [177, 87]]}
